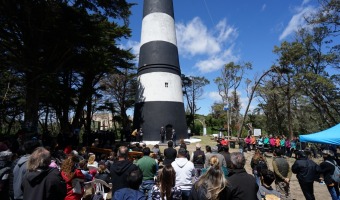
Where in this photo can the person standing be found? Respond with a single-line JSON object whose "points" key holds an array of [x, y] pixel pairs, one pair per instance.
{"points": [[73, 178], [306, 172], [170, 154], [243, 185], [282, 172], [148, 166], [166, 189], [134, 180], [258, 163], [198, 158], [120, 169], [185, 171], [174, 136], [140, 135], [42, 182], [214, 152], [327, 169], [162, 134]]}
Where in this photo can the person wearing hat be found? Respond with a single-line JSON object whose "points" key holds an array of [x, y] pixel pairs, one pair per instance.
{"points": [[306, 172], [214, 152], [327, 169]]}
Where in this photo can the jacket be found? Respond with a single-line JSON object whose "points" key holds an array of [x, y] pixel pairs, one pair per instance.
{"points": [[105, 177], [43, 185], [18, 174], [199, 193], [119, 171], [185, 170], [242, 185], [327, 169], [281, 169], [70, 184], [306, 170], [148, 166], [128, 194], [170, 155]]}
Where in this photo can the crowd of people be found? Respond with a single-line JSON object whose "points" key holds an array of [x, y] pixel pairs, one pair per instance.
{"points": [[44, 172]]}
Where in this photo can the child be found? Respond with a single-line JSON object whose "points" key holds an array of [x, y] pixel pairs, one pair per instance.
{"points": [[266, 189]]}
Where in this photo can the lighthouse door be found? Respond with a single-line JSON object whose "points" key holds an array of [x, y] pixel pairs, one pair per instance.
{"points": [[168, 129]]}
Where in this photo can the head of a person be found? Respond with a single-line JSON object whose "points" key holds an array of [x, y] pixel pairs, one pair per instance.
{"points": [[123, 152], [267, 177], [69, 165], [238, 160], [278, 152], [170, 143], [214, 161], [101, 167], [183, 145], [39, 159], [198, 146], [208, 148], [31, 145], [146, 151], [92, 159], [135, 179], [300, 155], [137, 144], [327, 153], [156, 146], [214, 149], [182, 153]]}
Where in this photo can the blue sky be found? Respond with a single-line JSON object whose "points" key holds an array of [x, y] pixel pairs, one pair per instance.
{"points": [[212, 33]]}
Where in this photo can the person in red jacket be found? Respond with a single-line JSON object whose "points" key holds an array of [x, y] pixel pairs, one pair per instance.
{"points": [[73, 178]]}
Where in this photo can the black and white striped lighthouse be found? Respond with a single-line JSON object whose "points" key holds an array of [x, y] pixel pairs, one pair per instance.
{"points": [[159, 100]]}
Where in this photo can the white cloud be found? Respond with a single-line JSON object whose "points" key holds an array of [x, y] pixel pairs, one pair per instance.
{"points": [[133, 45], [216, 45], [263, 8], [215, 96], [298, 19]]}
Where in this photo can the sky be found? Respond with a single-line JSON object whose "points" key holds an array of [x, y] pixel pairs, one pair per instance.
{"points": [[212, 33]]}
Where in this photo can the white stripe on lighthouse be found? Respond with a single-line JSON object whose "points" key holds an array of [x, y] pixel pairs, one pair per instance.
{"points": [[158, 26], [160, 86]]}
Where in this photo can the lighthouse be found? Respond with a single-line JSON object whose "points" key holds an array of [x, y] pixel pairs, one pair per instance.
{"points": [[159, 101]]}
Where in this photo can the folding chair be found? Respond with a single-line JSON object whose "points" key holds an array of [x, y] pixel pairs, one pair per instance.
{"points": [[99, 187]]}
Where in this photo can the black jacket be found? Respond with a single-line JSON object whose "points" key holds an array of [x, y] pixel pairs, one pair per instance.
{"points": [[242, 185], [327, 169], [306, 170], [105, 177], [43, 185], [170, 155], [119, 172]]}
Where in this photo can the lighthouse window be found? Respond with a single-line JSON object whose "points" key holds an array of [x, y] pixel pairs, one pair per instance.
{"points": [[166, 84]]}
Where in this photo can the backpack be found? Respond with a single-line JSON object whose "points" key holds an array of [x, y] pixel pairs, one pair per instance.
{"points": [[336, 174], [261, 165]]}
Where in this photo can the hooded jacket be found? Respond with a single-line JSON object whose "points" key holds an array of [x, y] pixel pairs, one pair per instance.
{"points": [[119, 172], [185, 170], [18, 174], [44, 184]]}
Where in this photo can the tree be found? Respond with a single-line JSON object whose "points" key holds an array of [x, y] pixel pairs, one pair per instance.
{"points": [[231, 77], [193, 91]]}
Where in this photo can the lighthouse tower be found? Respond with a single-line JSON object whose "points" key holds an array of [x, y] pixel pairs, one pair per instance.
{"points": [[159, 101]]}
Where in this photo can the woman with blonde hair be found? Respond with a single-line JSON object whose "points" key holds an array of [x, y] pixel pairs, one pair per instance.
{"points": [[212, 185], [166, 186], [214, 161], [73, 178]]}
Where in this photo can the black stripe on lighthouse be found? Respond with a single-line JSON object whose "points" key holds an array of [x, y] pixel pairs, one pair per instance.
{"points": [[160, 98]]}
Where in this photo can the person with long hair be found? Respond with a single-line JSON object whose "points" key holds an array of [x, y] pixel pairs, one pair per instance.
{"points": [[212, 185], [165, 189], [73, 178], [258, 163], [41, 182], [212, 162]]}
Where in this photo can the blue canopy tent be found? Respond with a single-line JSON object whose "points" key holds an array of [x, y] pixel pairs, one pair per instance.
{"points": [[328, 136]]}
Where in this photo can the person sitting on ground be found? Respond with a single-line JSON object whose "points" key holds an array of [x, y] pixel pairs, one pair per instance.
{"points": [[165, 189], [212, 184], [266, 190]]}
